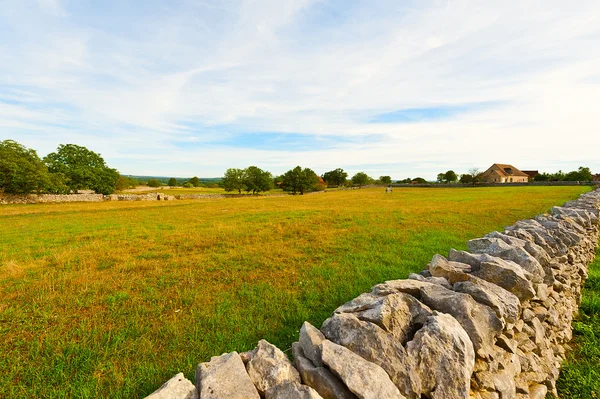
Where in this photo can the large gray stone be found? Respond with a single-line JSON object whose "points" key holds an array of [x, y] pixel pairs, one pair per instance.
{"points": [[499, 248], [269, 366], [365, 379], [375, 345], [177, 387], [225, 377], [319, 378], [505, 304], [479, 321], [310, 341], [396, 314], [444, 358], [291, 390], [509, 276]]}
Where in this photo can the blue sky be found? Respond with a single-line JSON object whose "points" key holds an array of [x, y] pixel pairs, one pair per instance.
{"points": [[400, 88]]}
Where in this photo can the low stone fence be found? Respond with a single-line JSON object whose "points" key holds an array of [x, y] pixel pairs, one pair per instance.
{"points": [[47, 198], [489, 323]]}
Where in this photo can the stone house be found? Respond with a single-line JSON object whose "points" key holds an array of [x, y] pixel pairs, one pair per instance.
{"points": [[503, 173]]}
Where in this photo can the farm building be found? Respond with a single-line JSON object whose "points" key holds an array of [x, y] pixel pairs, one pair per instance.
{"points": [[501, 173]]}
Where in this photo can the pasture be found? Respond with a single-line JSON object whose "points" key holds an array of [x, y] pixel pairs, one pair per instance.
{"points": [[112, 299]]}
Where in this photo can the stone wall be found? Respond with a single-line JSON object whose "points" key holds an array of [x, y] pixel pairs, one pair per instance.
{"points": [[47, 198], [490, 323]]}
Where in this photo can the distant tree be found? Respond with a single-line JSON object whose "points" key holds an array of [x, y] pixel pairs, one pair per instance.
{"points": [[361, 179], [450, 177], [581, 174], [194, 181], [299, 180], [234, 180], [476, 174], [154, 183], [405, 181], [542, 177], [336, 177], [385, 179], [172, 182], [21, 170], [125, 182], [188, 185], [466, 178], [440, 177], [82, 168], [257, 180], [418, 180]]}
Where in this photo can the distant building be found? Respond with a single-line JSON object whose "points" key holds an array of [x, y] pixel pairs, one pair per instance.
{"points": [[531, 173], [502, 173]]}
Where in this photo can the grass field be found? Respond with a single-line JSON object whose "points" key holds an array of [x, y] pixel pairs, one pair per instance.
{"points": [[195, 190], [112, 299], [580, 376]]}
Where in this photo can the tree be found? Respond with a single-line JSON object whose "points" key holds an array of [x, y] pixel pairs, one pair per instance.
{"points": [[440, 178], [172, 182], [418, 180], [21, 170], [581, 174], [405, 181], [476, 174], [450, 177], [299, 180], [466, 178], [234, 179], [257, 180], [385, 179], [336, 177], [194, 181], [82, 168], [188, 185], [361, 179], [154, 183]]}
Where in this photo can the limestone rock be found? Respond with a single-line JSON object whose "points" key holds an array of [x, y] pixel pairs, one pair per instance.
{"points": [[509, 276], [444, 357], [291, 390], [497, 247], [269, 366], [177, 387], [434, 280], [319, 378], [538, 391], [375, 345], [365, 379], [310, 341], [411, 287], [225, 377], [479, 321], [396, 314]]}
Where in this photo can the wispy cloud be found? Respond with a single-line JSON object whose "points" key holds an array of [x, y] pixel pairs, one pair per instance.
{"points": [[194, 87]]}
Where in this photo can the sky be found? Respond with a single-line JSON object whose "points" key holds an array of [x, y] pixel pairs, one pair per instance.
{"points": [[403, 88]]}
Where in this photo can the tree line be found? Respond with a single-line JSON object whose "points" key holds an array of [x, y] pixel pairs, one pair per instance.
{"points": [[69, 169]]}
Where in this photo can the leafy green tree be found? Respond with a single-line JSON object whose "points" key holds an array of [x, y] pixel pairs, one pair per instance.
{"points": [[385, 179], [172, 182], [336, 177], [419, 180], [194, 181], [154, 183], [234, 179], [450, 177], [82, 168], [466, 178], [405, 181], [188, 185], [21, 170], [257, 180], [299, 180], [361, 179], [440, 178], [581, 174]]}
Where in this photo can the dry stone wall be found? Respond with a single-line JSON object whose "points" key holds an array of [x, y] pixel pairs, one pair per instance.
{"points": [[47, 198], [489, 323]]}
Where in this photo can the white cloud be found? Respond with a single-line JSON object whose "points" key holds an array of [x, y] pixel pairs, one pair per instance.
{"points": [[127, 83]]}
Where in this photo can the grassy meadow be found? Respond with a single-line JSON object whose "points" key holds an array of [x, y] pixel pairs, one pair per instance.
{"points": [[580, 376], [112, 299]]}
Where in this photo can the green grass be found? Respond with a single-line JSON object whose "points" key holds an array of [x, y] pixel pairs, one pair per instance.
{"points": [[196, 190], [580, 376], [112, 299]]}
